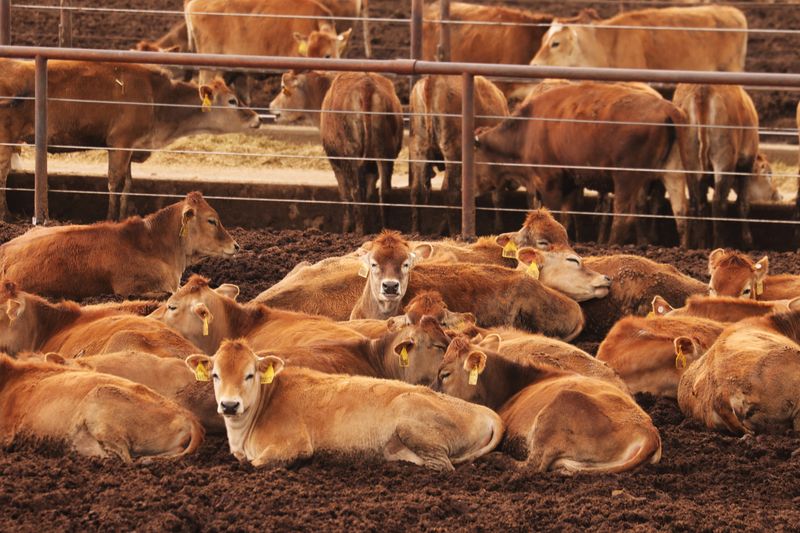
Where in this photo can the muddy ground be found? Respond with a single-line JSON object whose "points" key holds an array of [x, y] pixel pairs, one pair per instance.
{"points": [[705, 481]]}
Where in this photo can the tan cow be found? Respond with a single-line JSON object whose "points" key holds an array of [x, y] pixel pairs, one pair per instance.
{"points": [[366, 106], [159, 111], [642, 350], [208, 316], [720, 308], [137, 256], [31, 323], [386, 267], [554, 421], [94, 414], [749, 380], [261, 28], [435, 108], [734, 274], [276, 415], [665, 38]]}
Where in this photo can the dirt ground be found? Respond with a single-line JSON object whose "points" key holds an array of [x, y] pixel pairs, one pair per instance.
{"points": [[705, 481]]}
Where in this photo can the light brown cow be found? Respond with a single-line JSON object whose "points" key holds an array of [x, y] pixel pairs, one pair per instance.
{"points": [[158, 111], [386, 267], [720, 308], [554, 421], [208, 316], [658, 40], [581, 118], [175, 40], [352, 9], [749, 380], [642, 352], [137, 256], [734, 274], [636, 281], [561, 269], [261, 28], [276, 415], [724, 140], [94, 414], [435, 108], [31, 323], [365, 106]]}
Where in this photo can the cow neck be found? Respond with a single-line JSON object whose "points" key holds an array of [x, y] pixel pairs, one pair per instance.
{"points": [[317, 89], [50, 318], [164, 228], [787, 324], [242, 320], [243, 427], [380, 354], [504, 378], [187, 118], [372, 308]]}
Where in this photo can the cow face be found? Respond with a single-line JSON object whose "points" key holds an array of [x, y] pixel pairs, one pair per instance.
{"points": [[459, 373], [418, 351], [201, 231], [199, 313], [431, 303], [540, 230], [736, 275], [300, 98], [222, 110], [760, 188], [560, 47], [563, 270], [322, 43], [238, 375], [17, 320], [387, 265]]}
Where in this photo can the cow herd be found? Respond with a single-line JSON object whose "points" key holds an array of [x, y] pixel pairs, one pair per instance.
{"points": [[431, 352], [564, 137]]}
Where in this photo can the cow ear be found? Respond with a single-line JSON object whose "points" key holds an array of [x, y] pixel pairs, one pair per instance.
{"points": [[504, 238], [206, 93], [204, 315], [406, 344], [228, 289], [423, 251], [302, 44], [201, 365], [270, 366], [491, 342], [762, 267], [15, 308], [685, 351], [794, 304], [529, 255], [396, 323], [475, 361], [55, 358], [712, 259], [660, 306], [341, 41]]}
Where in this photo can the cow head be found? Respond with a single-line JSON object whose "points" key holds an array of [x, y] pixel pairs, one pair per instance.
{"points": [[17, 320], [760, 187], [560, 47], [417, 351], [301, 96], [201, 231], [562, 269], [431, 303], [222, 110], [238, 375], [687, 350], [322, 43], [199, 312], [734, 274], [387, 266], [540, 230], [459, 372]]}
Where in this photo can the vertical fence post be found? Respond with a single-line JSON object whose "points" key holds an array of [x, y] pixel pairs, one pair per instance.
{"points": [[40, 119], [5, 21], [65, 26], [443, 52], [468, 156]]}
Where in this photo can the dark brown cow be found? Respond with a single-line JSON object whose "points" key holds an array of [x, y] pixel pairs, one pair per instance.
{"points": [[137, 256], [583, 146], [160, 111]]}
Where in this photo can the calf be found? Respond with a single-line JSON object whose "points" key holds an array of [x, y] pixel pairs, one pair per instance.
{"points": [[269, 422], [749, 380], [735, 274], [386, 265], [137, 256], [207, 317], [554, 421], [158, 111], [642, 350], [31, 323], [720, 308], [94, 414]]}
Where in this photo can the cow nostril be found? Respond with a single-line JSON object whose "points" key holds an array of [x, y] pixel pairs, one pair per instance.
{"points": [[390, 287], [608, 279], [229, 407]]}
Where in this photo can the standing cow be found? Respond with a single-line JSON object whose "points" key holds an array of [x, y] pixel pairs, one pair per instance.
{"points": [[361, 125]]}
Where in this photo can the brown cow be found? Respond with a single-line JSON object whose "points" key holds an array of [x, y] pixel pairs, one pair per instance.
{"points": [[642, 352], [270, 419], [361, 125], [636, 281], [724, 151], [435, 108], [591, 110], [720, 308], [137, 256], [386, 266], [160, 110], [667, 39], [261, 28], [208, 316], [749, 380], [175, 40], [734, 274], [31, 323], [554, 421], [352, 9], [94, 414]]}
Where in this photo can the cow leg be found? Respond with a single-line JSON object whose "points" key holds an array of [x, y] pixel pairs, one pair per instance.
{"points": [[675, 184], [341, 170], [604, 207], [6, 154], [497, 202], [722, 187], [452, 196], [385, 170], [419, 439], [743, 199], [624, 203], [358, 195], [119, 168], [285, 447]]}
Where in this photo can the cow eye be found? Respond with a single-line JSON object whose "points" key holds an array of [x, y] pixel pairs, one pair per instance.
{"points": [[327, 56], [212, 221], [248, 377], [374, 265], [574, 260], [172, 307], [555, 44], [215, 376], [542, 243], [406, 265], [233, 102], [444, 375], [746, 291]]}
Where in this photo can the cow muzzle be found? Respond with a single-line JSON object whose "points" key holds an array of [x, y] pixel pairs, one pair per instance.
{"points": [[229, 408], [255, 122], [390, 289]]}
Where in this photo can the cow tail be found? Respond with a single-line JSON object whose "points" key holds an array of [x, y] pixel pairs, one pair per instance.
{"points": [[368, 92], [702, 103], [681, 134], [198, 433], [190, 41]]}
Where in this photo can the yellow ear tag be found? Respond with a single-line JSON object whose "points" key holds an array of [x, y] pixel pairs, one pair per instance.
{"points": [[510, 250], [200, 372], [473, 376], [533, 270], [268, 375], [680, 359], [650, 314], [302, 48], [363, 270], [205, 326], [206, 104], [403, 357], [759, 288]]}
